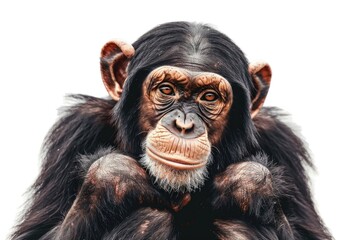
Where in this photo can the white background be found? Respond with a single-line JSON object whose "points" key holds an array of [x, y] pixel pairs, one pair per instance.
{"points": [[49, 49]]}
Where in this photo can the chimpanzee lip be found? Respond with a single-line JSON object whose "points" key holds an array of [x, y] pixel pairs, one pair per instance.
{"points": [[175, 161]]}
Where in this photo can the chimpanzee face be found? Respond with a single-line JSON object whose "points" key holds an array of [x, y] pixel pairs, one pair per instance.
{"points": [[184, 113]]}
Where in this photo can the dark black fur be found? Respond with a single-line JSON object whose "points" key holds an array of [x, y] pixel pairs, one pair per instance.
{"points": [[90, 128]]}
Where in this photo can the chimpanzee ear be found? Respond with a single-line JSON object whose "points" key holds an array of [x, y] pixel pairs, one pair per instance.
{"points": [[261, 76], [115, 57]]}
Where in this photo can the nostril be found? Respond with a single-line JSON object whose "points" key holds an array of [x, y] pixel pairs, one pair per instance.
{"points": [[177, 126], [190, 129]]}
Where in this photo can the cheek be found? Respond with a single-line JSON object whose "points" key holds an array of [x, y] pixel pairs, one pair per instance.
{"points": [[218, 119], [147, 117], [217, 127]]}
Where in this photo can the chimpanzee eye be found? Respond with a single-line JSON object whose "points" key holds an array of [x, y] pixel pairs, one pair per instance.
{"points": [[209, 96], [167, 89]]}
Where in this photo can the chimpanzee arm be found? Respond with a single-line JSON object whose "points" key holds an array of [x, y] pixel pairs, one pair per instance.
{"points": [[249, 188], [114, 185]]}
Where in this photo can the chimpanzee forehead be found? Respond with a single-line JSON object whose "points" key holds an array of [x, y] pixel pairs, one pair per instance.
{"points": [[185, 77]]}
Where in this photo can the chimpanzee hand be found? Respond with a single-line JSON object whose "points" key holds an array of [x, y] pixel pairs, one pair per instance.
{"points": [[248, 187], [114, 185]]}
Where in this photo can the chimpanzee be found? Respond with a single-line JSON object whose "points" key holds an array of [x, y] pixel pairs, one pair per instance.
{"points": [[182, 150]]}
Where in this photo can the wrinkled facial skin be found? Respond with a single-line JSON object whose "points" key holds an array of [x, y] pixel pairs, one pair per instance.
{"points": [[184, 113]]}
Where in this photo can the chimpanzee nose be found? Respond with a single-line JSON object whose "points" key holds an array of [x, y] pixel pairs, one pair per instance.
{"points": [[186, 125]]}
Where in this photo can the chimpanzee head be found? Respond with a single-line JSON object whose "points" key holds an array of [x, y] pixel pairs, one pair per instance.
{"points": [[186, 101]]}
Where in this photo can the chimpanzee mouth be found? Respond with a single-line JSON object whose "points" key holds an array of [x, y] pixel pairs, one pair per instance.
{"points": [[176, 161]]}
